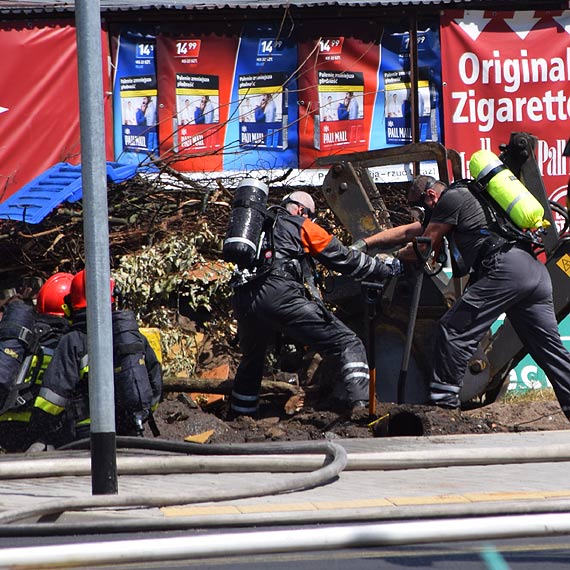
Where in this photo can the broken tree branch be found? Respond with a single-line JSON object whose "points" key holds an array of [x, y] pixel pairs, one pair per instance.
{"points": [[218, 386]]}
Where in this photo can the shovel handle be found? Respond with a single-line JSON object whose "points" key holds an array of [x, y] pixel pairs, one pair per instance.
{"points": [[422, 255]]}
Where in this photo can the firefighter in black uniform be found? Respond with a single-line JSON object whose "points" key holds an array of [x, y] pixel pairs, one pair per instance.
{"points": [[277, 301], [61, 410], [504, 278], [51, 323]]}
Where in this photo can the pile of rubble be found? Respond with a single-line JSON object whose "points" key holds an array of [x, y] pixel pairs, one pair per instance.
{"points": [[145, 213]]}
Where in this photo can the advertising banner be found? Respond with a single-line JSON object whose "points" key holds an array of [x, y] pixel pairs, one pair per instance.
{"points": [[39, 101], [338, 81], [195, 77], [508, 72], [357, 92], [262, 131], [135, 97], [263, 124], [392, 124]]}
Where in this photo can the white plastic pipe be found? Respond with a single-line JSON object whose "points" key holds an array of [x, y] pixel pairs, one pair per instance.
{"points": [[272, 542], [384, 461]]}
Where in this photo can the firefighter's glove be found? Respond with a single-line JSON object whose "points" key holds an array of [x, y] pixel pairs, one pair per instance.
{"points": [[392, 265], [360, 245]]}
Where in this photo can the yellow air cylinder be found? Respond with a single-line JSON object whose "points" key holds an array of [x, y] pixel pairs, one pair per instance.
{"points": [[507, 190]]}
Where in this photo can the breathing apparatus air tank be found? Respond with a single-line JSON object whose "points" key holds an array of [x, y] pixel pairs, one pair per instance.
{"points": [[246, 222], [524, 210]]}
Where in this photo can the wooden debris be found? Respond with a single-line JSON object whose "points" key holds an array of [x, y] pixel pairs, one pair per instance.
{"points": [[219, 386]]}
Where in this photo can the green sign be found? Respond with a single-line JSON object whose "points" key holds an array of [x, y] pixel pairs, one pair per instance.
{"points": [[527, 375]]}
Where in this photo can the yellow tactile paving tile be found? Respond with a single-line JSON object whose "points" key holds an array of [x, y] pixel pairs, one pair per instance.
{"points": [[504, 496], [352, 504], [192, 511], [284, 507], [362, 503], [556, 494], [428, 500]]}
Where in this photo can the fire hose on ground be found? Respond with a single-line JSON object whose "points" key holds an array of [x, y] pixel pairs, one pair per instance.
{"points": [[480, 525], [274, 458], [323, 474], [282, 541]]}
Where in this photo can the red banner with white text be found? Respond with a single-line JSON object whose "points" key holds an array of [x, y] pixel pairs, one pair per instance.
{"points": [[39, 101], [505, 72]]}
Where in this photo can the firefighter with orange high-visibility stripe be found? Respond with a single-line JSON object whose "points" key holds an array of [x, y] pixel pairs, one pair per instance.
{"points": [[278, 301]]}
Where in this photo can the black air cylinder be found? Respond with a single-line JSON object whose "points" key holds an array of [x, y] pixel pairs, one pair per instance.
{"points": [[246, 222]]}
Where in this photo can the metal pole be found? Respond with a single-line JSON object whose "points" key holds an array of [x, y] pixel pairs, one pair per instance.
{"points": [[423, 256], [369, 328], [371, 292], [96, 230], [414, 93]]}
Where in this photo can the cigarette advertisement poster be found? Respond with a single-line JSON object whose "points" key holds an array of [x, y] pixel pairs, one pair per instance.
{"points": [[338, 82], [393, 117], [195, 78], [340, 99], [263, 111], [39, 101], [509, 72], [135, 97], [262, 132]]}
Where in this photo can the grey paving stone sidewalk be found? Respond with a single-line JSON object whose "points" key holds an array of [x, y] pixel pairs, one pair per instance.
{"points": [[353, 488]]}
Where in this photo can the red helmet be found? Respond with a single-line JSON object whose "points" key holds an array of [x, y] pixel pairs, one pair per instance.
{"points": [[51, 296], [78, 294]]}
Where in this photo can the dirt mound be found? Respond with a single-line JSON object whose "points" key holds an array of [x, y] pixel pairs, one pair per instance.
{"points": [[178, 417]]}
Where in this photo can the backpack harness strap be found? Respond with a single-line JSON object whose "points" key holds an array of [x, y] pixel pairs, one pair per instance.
{"points": [[488, 172], [131, 348], [9, 330], [247, 203]]}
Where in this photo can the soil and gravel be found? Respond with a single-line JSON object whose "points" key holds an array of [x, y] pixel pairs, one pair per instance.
{"points": [[142, 214], [178, 418]]}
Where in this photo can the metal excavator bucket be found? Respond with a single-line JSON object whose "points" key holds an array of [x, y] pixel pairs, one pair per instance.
{"points": [[349, 184]]}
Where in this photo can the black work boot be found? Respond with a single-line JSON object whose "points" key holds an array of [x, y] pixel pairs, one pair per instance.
{"points": [[232, 414], [359, 410], [446, 400]]}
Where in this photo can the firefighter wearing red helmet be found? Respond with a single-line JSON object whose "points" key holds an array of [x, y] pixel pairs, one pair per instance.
{"points": [[78, 292], [49, 325], [52, 321], [52, 295], [61, 410]]}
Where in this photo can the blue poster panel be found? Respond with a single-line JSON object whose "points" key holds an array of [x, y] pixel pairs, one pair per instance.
{"points": [[262, 130], [135, 98], [393, 119]]}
